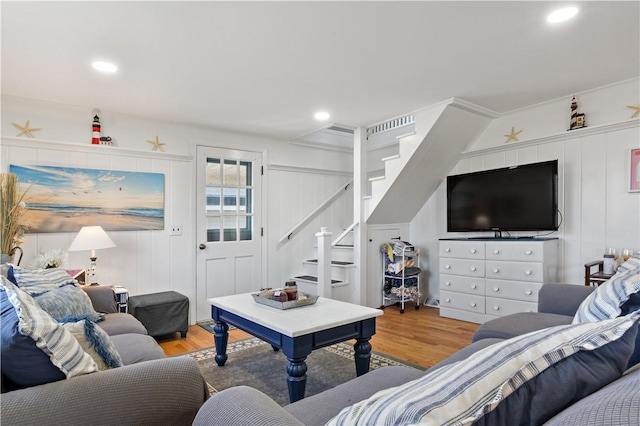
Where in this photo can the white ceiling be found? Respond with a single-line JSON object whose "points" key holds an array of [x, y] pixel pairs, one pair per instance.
{"points": [[266, 67]]}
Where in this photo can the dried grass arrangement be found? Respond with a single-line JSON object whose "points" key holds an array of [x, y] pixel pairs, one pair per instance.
{"points": [[12, 210]]}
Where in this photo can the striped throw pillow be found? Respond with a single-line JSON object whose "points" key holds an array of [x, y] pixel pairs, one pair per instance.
{"points": [[38, 281], [608, 300], [52, 338], [463, 392]]}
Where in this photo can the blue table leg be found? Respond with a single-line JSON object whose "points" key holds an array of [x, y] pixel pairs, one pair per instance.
{"points": [[221, 337], [297, 378], [362, 355]]}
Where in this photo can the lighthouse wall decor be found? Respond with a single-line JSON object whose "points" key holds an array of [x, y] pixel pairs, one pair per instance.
{"points": [[96, 137], [578, 120]]}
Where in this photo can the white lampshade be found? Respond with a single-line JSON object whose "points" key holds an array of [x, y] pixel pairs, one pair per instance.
{"points": [[91, 238]]}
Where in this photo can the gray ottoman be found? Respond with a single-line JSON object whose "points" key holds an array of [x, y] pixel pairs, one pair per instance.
{"points": [[161, 313]]}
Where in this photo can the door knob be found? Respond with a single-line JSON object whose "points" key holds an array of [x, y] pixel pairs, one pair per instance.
{"points": [[202, 246]]}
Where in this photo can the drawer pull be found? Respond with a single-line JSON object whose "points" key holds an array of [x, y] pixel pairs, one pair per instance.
{"points": [[447, 266], [496, 270], [447, 300], [496, 289], [473, 269], [474, 286], [448, 283], [473, 304], [496, 308], [496, 251], [528, 272], [473, 251], [447, 250], [528, 292], [528, 252]]}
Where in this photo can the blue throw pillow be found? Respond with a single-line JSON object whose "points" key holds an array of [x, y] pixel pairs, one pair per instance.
{"points": [[62, 349], [563, 384], [67, 302], [22, 361]]}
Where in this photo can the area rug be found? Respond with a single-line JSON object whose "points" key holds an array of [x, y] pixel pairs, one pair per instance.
{"points": [[254, 363]]}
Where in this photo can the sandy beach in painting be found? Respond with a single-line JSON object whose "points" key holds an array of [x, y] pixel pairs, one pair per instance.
{"points": [[48, 221]]}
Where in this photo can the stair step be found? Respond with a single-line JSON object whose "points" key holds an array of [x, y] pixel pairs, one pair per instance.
{"points": [[313, 279], [404, 135], [391, 157], [376, 178], [334, 263]]}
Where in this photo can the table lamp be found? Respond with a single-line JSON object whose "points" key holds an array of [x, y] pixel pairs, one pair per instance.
{"points": [[91, 238]]}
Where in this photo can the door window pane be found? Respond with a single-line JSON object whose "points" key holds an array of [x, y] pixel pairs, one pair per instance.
{"points": [[246, 228], [230, 200], [213, 174], [213, 199], [245, 173], [213, 229], [230, 228], [230, 173], [248, 200]]}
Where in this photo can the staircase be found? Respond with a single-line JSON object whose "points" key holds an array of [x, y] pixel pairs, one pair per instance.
{"points": [[425, 157], [341, 271], [430, 142]]}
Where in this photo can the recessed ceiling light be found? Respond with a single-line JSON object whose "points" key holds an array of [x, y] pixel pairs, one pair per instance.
{"points": [[104, 66], [322, 115], [562, 15]]}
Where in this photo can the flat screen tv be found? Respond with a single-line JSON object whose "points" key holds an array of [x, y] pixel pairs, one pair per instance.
{"points": [[519, 198]]}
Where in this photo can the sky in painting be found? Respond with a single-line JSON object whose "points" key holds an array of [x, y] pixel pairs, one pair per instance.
{"points": [[73, 186]]}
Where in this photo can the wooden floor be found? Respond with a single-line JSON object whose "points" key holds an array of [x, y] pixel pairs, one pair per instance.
{"points": [[419, 337]]}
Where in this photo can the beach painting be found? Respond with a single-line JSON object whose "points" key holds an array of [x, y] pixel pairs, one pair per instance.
{"points": [[64, 199]]}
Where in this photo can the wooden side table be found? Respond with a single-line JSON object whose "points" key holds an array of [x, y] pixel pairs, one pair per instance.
{"points": [[595, 278]]}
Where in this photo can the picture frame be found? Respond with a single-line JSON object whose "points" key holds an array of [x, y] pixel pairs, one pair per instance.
{"points": [[64, 199], [634, 170]]}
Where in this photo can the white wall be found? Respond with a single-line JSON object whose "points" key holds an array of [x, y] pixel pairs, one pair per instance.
{"points": [[297, 179], [597, 209]]}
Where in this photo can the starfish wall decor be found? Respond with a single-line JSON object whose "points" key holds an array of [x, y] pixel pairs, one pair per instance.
{"points": [[157, 145], [636, 108], [513, 136], [26, 130]]}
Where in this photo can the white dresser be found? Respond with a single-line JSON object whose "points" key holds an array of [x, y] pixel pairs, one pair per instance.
{"points": [[481, 279]]}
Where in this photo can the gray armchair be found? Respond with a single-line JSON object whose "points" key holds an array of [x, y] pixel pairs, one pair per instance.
{"points": [[149, 389]]}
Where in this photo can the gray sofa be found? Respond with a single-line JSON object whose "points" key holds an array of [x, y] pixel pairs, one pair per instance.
{"points": [[149, 389], [615, 404]]}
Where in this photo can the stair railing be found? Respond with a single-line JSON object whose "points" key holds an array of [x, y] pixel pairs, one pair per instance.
{"points": [[315, 212], [344, 234]]}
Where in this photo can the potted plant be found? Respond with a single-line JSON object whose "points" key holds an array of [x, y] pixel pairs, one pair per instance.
{"points": [[12, 210]]}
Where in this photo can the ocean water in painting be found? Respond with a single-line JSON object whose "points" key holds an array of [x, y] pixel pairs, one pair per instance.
{"points": [[64, 199]]}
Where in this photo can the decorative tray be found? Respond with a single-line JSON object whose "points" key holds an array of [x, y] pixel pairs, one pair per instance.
{"points": [[304, 299]]}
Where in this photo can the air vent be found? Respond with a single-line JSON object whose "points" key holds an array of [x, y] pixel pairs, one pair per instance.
{"points": [[392, 124], [341, 129]]}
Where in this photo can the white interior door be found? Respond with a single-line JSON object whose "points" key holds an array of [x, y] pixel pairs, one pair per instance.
{"points": [[229, 224]]}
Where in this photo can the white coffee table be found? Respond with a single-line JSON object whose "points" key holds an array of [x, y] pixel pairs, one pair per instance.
{"points": [[296, 331]]}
